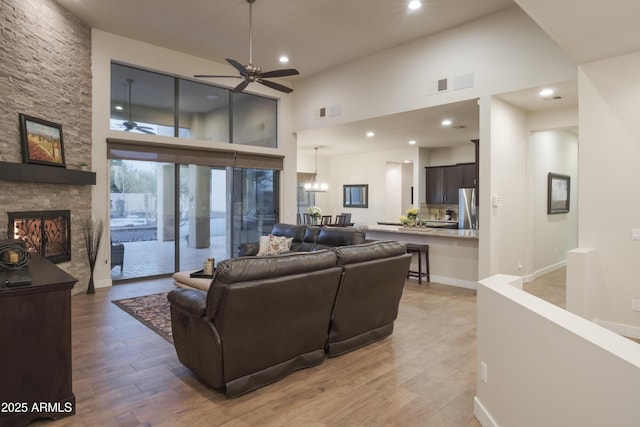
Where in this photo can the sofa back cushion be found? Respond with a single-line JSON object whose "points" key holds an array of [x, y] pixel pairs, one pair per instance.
{"points": [[370, 290], [330, 237], [369, 251], [239, 271], [290, 230], [268, 310]]}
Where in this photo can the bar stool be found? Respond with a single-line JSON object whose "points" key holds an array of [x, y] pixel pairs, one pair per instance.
{"points": [[420, 250]]}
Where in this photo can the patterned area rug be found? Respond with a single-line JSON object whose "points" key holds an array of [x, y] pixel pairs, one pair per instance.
{"points": [[152, 310]]}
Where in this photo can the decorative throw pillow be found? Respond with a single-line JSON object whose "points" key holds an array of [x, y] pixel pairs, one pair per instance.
{"points": [[278, 244], [264, 245]]}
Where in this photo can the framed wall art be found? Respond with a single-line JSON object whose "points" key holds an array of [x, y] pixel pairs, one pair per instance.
{"points": [[558, 193], [41, 141], [355, 196]]}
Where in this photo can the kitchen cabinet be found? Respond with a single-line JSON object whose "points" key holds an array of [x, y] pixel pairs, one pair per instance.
{"points": [[468, 175], [443, 182]]}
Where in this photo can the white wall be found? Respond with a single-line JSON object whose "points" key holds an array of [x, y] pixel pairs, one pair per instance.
{"points": [[549, 367], [451, 155], [609, 205], [107, 47], [503, 239], [552, 235], [506, 51]]}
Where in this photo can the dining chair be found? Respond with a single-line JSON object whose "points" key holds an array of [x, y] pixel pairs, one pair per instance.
{"points": [[341, 220], [298, 218], [326, 220], [348, 217], [307, 218]]}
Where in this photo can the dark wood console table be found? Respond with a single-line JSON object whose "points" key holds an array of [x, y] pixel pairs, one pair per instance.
{"points": [[35, 346]]}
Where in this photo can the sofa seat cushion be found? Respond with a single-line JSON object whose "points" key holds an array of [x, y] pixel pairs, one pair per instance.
{"points": [[183, 279]]}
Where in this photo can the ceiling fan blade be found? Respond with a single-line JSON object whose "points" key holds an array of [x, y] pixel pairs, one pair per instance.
{"points": [[279, 73], [275, 86], [210, 76], [143, 130], [240, 87], [238, 66]]}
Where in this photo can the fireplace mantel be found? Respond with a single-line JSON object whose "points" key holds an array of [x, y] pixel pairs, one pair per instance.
{"points": [[26, 172]]}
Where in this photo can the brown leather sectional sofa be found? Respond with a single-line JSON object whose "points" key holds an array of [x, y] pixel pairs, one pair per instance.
{"points": [[266, 317], [307, 238]]}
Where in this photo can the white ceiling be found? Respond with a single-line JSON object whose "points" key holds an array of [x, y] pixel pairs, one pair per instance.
{"points": [[318, 35]]}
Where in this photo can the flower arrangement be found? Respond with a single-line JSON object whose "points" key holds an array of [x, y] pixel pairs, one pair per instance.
{"points": [[314, 211], [412, 213]]}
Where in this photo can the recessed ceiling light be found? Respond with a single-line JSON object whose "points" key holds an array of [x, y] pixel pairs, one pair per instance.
{"points": [[408, 161], [412, 142], [371, 134], [118, 107], [446, 122], [415, 4], [546, 92], [284, 59]]}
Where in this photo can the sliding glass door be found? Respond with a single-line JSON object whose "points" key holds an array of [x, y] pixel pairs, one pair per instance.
{"points": [[142, 218], [163, 221], [203, 216]]}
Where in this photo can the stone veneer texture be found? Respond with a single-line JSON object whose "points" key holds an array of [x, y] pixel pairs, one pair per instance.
{"points": [[45, 72]]}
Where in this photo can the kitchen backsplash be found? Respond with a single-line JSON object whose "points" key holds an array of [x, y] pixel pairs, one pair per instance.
{"points": [[438, 212]]}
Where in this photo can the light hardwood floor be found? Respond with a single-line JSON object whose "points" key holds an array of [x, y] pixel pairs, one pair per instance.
{"points": [[423, 375]]}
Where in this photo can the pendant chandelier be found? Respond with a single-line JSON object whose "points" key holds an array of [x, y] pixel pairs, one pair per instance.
{"points": [[314, 186]]}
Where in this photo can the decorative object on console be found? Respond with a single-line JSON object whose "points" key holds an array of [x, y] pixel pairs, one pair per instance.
{"points": [[558, 192], [252, 73], [41, 141], [14, 264], [92, 232]]}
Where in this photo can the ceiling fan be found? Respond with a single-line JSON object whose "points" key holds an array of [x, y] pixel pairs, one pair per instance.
{"points": [[130, 125], [252, 73]]}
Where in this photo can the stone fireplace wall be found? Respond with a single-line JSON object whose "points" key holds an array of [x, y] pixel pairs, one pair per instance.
{"points": [[45, 71]]}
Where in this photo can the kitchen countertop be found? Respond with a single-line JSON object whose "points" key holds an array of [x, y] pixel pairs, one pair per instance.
{"points": [[440, 232]]}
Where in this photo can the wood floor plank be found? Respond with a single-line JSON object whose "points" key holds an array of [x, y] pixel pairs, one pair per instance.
{"points": [[124, 374]]}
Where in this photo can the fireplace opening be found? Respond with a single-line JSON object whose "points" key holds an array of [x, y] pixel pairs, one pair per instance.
{"points": [[47, 233]]}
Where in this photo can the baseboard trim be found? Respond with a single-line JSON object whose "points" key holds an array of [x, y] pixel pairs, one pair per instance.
{"points": [[546, 270], [453, 282], [620, 328], [481, 413]]}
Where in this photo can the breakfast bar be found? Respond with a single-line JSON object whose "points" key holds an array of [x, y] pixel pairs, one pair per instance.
{"points": [[453, 253]]}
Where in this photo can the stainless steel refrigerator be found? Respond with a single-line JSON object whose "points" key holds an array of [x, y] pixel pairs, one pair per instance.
{"points": [[467, 209]]}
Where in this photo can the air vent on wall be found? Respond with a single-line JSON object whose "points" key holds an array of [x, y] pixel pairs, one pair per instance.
{"points": [[442, 85]]}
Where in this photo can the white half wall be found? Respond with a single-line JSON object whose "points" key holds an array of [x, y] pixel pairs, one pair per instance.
{"points": [[547, 367]]}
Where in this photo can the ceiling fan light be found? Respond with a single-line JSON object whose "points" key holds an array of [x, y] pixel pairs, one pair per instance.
{"points": [[284, 59]]}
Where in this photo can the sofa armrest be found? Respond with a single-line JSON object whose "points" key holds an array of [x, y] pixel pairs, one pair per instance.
{"points": [[188, 301], [248, 249]]}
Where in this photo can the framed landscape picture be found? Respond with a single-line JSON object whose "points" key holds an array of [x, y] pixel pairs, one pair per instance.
{"points": [[558, 192], [41, 141]]}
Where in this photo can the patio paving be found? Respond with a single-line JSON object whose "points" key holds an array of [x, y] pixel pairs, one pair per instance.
{"points": [[151, 258]]}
